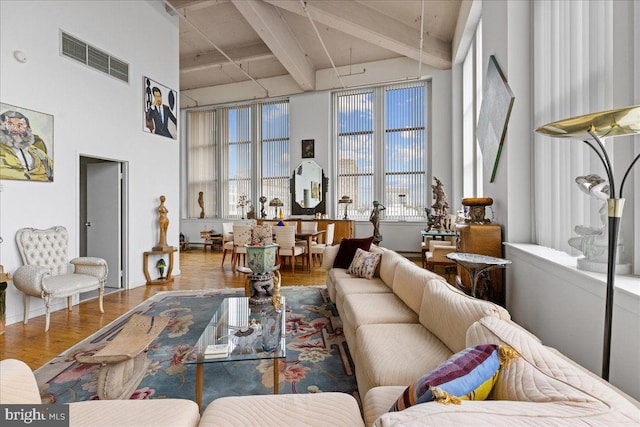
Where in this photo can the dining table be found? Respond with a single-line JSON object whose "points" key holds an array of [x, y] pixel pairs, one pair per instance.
{"points": [[309, 236]]}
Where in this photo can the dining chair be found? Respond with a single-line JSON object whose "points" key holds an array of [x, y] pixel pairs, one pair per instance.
{"points": [[241, 237], [262, 234], [317, 249], [227, 240], [286, 239], [308, 227]]}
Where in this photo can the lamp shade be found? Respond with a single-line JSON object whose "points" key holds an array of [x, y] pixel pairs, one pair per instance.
{"points": [[604, 124]]}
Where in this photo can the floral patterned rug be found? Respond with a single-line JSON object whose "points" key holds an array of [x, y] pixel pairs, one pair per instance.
{"points": [[317, 355]]}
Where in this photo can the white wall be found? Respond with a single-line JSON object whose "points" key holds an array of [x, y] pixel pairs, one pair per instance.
{"points": [[94, 115]]}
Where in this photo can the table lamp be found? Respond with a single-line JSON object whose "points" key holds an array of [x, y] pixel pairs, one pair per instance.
{"points": [[346, 201], [604, 124], [276, 203]]}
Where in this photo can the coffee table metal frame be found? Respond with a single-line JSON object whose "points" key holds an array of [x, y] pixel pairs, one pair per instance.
{"points": [[233, 314]]}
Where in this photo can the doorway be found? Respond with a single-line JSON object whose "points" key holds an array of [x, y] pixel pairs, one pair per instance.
{"points": [[103, 220]]}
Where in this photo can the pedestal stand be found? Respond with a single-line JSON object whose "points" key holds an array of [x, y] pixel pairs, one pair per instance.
{"points": [[161, 280]]}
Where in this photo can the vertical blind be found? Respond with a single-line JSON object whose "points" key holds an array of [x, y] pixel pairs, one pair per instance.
{"points": [[381, 145], [274, 145], [568, 82], [236, 148], [201, 160]]}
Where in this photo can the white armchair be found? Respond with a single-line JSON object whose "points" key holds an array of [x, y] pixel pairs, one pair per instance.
{"points": [[47, 274]]}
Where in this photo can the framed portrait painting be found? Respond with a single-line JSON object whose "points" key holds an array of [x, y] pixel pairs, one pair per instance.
{"points": [[160, 109], [308, 149], [26, 144]]}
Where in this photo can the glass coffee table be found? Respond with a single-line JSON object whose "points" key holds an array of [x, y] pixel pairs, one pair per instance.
{"points": [[236, 327]]}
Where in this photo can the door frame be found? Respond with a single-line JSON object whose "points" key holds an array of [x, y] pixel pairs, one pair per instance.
{"points": [[124, 213]]}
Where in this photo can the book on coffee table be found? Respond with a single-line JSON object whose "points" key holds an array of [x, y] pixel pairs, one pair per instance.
{"points": [[215, 351]]}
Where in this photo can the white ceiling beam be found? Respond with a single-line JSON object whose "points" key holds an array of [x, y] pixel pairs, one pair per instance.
{"points": [[191, 5], [214, 58], [373, 27], [274, 31]]}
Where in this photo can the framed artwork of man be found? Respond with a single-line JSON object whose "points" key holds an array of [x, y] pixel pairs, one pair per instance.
{"points": [[26, 144], [160, 109], [308, 149]]}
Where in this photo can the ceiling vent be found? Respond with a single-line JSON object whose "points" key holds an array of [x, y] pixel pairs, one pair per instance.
{"points": [[80, 51]]}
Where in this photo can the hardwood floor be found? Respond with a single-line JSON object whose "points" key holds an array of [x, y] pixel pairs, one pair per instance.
{"points": [[199, 270]]}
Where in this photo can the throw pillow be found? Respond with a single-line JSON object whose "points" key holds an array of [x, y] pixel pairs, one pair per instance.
{"points": [[348, 249], [364, 264], [467, 375]]}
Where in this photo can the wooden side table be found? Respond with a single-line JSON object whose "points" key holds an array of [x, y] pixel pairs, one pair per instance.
{"points": [[162, 280]]}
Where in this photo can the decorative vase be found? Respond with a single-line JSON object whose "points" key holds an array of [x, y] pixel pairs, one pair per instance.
{"points": [[261, 259], [271, 325]]}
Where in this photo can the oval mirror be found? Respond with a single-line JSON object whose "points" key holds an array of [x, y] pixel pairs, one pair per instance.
{"points": [[308, 189]]}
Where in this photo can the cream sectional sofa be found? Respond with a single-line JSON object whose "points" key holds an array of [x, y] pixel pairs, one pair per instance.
{"points": [[18, 386], [407, 320]]}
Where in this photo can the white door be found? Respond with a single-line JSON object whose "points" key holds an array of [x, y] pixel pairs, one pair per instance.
{"points": [[104, 223]]}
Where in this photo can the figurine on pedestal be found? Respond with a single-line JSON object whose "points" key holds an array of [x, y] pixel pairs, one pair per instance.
{"points": [[163, 223], [440, 206], [375, 220], [201, 204], [262, 201], [593, 241]]}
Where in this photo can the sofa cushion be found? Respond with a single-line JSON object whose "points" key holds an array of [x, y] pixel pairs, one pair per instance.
{"points": [[149, 412], [542, 375], [354, 285], [329, 256], [314, 409], [348, 249], [388, 263], [395, 354], [17, 383], [409, 282], [364, 264], [468, 375], [364, 309], [448, 313]]}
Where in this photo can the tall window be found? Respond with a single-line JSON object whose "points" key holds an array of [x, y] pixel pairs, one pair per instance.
{"points": [[201, 160], [380, 139], [224, 148], [472, 99]]}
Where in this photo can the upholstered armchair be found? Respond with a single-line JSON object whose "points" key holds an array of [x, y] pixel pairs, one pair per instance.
{"points": [[47, 274], [437, 254]]}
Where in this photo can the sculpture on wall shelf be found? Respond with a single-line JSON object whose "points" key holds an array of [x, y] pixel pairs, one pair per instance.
{"points": [[593, 241]]}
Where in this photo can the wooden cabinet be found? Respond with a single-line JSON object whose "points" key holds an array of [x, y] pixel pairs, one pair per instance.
{"points": [[482, 239], [343, 227]]}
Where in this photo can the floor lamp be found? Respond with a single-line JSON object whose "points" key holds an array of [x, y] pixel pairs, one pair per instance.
{"points": [[605, 124]]}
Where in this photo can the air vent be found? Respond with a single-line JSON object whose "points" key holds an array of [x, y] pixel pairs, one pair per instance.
{"points": [[95, 58]]}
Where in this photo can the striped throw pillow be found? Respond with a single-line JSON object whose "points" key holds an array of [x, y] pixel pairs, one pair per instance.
{"points": [[467, 375]]}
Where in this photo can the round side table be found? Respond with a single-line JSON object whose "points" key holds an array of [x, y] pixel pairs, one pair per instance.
{"points": [[476, 265]]}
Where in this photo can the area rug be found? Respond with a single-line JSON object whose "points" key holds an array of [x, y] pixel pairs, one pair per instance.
{"points": [[317, 355]]}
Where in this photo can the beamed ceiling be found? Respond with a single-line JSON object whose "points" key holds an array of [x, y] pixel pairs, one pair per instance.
{"points": [[230, 41]]}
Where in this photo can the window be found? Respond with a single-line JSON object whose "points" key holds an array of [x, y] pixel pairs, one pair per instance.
{"points": [[380, 139], [472, 73], [224, 148]]}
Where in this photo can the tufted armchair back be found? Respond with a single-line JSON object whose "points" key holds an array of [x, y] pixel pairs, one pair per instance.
{"points": [[44, 248]]}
